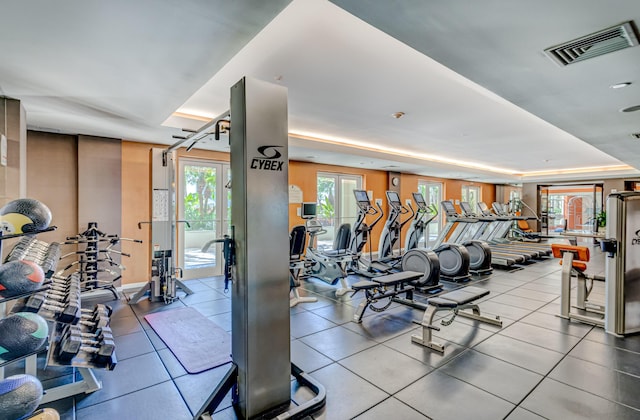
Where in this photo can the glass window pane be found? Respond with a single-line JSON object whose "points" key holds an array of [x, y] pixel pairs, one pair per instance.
{"points": [[200, 212]]}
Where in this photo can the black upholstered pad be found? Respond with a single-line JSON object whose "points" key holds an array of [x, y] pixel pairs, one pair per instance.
{"points": [[465, 295], [364, 284], [442, 303], [398, 277]]}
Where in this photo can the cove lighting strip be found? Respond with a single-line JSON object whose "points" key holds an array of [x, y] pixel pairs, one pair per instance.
{"points": [[431, 158]]}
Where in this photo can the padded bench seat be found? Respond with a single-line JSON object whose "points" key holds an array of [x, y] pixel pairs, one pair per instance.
{"points": [[457, 301], [388, 285]]}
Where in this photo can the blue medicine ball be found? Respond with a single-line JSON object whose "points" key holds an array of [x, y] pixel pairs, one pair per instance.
{"points": [[20, 395], [20, 334]]}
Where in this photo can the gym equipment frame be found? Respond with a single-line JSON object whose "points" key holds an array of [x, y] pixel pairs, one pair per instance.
{"points": [[260, 374], [622, 295]]}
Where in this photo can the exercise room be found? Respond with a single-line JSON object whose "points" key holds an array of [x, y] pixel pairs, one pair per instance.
{"points": [[319, 209]]}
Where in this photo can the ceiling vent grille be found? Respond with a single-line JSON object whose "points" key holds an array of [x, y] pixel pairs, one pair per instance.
{"points": [[599, 43]]}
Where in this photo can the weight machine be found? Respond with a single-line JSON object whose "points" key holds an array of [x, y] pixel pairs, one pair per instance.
{"points": [[256, 255]]}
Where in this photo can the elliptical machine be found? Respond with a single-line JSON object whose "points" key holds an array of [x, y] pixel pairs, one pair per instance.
{"points": [[392, 227], [422, 261], [454, 259], [479, 251], [327, 265]]}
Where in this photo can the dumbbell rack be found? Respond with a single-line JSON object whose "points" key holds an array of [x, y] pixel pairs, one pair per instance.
{"points": [[94, 260], [88, 382]]}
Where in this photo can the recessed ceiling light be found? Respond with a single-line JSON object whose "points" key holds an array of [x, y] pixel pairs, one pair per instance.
{"points": [[631, 108], [397, 115], [620, 85]]}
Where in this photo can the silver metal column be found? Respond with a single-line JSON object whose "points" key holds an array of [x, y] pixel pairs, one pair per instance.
{"points": [[260, 301], [622, 309]]}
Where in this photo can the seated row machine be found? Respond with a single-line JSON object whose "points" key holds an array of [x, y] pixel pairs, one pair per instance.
{"points": [[574, 263]]}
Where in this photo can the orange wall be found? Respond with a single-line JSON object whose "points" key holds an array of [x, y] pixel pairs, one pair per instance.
{"points": [[452, 190], [304, 176]]}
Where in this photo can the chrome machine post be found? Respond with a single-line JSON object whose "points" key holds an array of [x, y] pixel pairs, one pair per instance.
{"points": [[260, 298]]}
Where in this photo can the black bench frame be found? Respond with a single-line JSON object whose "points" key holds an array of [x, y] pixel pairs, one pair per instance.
{"points": [[456, 301], [387, 286]]}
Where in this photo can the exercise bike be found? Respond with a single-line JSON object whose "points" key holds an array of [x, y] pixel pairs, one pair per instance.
{"points": [[330, 266], [454, 259], [422, 261]]}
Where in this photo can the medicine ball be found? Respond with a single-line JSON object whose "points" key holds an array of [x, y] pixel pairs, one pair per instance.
{"points": [[20, 277], [20, 334], [20, 395], [24, 215]]}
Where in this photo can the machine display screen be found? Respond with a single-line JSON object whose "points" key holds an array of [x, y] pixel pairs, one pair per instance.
{"points": [[419, 199], [309, 210], [448, 207], [466, 208], [361, 196], [393, 197]]}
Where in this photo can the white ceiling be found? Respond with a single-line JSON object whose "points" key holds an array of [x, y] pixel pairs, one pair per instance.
{"points": [[120, 69]]}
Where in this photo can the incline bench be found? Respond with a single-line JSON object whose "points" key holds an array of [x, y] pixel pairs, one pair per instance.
{"points": [[455, 301], [387, 286]]}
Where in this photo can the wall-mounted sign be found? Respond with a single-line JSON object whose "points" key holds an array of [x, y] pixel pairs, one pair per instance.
{"points": [[295, 194]]}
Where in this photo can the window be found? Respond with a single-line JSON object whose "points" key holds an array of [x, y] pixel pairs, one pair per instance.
{"points": [[471, 195], [336, 203], [432, 193]]}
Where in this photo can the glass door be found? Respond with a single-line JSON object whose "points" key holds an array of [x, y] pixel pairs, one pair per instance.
{"points": [[432, 193], [205, 209], [336, 204]]}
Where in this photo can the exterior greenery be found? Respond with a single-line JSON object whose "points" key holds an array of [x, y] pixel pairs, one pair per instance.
{"points": [[200, 205]]}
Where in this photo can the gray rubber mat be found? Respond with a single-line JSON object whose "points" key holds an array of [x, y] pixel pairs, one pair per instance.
{"points": [[196, 341]]}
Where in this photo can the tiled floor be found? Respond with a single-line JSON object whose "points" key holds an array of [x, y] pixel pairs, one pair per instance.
{"points": [[536, 366]]}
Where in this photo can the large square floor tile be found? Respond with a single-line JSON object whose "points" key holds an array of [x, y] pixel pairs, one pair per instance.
{"points": [[609, 356], [338, 342], [500, 378], [347, 394], [162, 401], [129, 376], [306, 323], [599, 380], [307, 358], [525, 355], [433, 358], [553, 322], [391, 409], [386, 368], [554, 400], [542, 337], [432, 396]]}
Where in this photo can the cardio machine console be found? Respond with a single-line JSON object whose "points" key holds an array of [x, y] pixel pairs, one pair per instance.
{"points": [[394, 199], [362, 199], [449, 209]]}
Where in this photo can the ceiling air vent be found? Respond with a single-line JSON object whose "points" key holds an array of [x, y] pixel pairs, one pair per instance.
{"points": [[602, 42]]}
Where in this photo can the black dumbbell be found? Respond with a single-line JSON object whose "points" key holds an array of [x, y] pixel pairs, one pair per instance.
{"points": [[98, 319], [100, 346], [67, 313]]}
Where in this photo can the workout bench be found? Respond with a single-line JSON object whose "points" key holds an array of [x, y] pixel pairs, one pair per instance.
{"points": [[456, 301], [574, 261], [381, 287]]}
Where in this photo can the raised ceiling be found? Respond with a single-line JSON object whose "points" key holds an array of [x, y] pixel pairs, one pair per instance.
{"points": [[481, 100]]}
